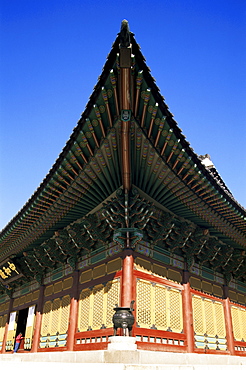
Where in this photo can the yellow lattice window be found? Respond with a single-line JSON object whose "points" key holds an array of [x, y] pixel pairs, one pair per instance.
{"points": [[239, 322], [144, 304], [54, 328], [55, 316], [159, 306], [209, 317], [96, 306], [98, 294], [199, 326], [46, 318], [84, 310], [219, 319], [209, 323], [3, 320], [243, 313], [65, 310], [161, 321], [112, 290], [175, 309]]}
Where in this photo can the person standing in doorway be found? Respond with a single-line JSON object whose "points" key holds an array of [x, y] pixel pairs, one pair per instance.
{"points": [[17, 342]]}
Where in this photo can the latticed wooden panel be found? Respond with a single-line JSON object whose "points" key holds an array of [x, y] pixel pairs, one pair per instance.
{"points": [[199, 327], [159, 306], [161, 321], [239, 323], [97, 319], [46, 318], [144, 304], [209, 317], [84, 310], [112, 290], [3, 320], [175, 309], [55, 317], [220, 320], [96, 306], [65, 310], [56, 312]]}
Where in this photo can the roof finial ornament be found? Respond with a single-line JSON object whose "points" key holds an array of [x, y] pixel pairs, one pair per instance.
{"points": [[124, 34]]}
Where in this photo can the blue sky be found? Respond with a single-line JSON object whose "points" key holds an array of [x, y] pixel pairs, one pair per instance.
{"points": [[52, 52]]}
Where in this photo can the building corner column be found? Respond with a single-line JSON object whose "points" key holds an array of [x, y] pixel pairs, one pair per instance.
{"points": [[73, 312], [125, 50], [127, 278], [38, 320], [187, 313], [228, 322]]}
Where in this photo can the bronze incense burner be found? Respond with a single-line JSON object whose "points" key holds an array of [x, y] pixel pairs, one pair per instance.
{"points": [[123, 318]]}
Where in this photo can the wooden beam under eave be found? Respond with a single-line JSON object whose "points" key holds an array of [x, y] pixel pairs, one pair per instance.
{"points": [[125, 100]]}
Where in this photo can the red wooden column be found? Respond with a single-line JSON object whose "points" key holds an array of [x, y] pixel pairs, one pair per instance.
{"points": [[187, 313], [127, 281], [73, 312], [7, 326], [38, 320], [228, 322], [125, 105]]}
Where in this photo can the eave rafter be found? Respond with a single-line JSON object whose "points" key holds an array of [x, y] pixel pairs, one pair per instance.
{"points": [[161, 130], [156, 226]]}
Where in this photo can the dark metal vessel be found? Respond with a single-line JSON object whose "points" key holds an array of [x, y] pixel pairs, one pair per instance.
{"points": [[123, 318]]}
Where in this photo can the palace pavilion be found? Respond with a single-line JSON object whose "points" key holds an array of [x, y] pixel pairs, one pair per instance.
{"points": [[128, 216]]}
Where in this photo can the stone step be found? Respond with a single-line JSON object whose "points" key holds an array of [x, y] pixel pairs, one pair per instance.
{"points": [[121, 355], [23, 365]]}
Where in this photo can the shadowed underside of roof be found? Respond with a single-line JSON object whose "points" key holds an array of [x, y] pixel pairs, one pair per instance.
{"points": [[163, 166]]}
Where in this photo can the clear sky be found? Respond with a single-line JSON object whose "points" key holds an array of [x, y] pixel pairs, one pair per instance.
{"points": [[52, 52]]}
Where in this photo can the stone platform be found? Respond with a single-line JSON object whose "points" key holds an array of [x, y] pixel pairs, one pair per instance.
{"points": [[121, 355]]}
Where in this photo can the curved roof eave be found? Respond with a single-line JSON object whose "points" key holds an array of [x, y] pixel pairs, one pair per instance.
{"points": [[230, 201]]}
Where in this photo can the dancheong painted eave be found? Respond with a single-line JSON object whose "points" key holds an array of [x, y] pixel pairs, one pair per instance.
{"points": [[162, 165]]}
